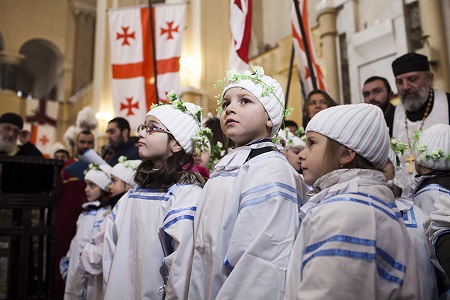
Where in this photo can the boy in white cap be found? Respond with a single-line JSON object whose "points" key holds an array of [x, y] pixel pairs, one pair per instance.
{"points": [[122, 179], [352, 243], [414, 218], [148, 238], [432, 159], [97, 193], [248, 218], [432, 191]]}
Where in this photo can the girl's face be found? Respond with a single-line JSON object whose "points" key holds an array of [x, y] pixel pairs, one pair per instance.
{"points": [[293, 156], [118, 186], [202, 159], [317, 102], [313, 158], [155, 142], [243, 118], [93, 191]]}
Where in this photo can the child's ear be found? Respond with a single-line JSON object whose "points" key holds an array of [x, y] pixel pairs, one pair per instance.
{"points": [[176, 147], [269, 123], [347, 156]]}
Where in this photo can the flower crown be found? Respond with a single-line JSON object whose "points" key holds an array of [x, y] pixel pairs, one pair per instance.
{"points": [[256, 75], [174, 99], [300, 133], [399, 149], [128, 163], [94, 166], [421, 149]]}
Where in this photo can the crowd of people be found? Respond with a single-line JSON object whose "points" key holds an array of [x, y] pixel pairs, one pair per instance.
{"points": [[248, 205]]}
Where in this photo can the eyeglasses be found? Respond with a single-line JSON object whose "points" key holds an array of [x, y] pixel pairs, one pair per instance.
{"points": [[149, 128]]}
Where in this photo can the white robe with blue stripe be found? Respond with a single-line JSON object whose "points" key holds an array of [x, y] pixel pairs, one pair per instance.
{"points": [[143, 225], [352, 242], [245, 227], [86, 223]]}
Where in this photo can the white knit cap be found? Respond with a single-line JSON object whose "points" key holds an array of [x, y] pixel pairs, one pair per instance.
{"points": [[126, 170], [290, 139], [360, 127], [437, 140], [273, 106], [100, 177], [182, 125]]}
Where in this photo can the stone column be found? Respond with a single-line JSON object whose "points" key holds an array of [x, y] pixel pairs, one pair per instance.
{"points": [[326, 17], [435, 47]]}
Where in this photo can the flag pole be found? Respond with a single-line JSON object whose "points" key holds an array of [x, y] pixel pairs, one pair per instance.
{"points": [[288, 86], [153, 48], [305, 43]]}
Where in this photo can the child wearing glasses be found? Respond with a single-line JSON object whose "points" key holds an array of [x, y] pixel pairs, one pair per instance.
{"points": [[247, 218], [149, 232]]}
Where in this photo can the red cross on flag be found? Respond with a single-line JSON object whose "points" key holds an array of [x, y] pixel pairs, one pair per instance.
{"points": [[41, 116], [241, 27], [132, 57], [300, 54]]}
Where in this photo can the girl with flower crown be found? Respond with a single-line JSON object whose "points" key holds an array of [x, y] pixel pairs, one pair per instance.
{"points": [[122, 179], [148, 238], [248, 218], [97, 193]]}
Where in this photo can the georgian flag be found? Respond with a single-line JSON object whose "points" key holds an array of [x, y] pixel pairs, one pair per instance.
{"points": [[300, 54], [41, 116], [241, 27], [133, 76]]}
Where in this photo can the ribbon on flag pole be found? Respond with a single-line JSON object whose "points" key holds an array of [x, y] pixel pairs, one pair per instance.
{"points": [[241, 27], [301, 56], [132, 57]]}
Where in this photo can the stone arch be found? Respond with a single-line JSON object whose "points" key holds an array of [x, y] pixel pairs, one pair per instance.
{"points": [[40, 69]]}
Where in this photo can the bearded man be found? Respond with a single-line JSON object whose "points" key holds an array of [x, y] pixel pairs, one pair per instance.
{"points": [[421, 106], [11, 130]]}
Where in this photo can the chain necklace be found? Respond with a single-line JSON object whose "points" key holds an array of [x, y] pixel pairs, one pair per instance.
{"points": [[410, 159]]}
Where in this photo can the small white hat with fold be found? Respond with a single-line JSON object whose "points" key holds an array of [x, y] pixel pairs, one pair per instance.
{"points": [[100, 176], [125, 170], [183, 125], [360, 127], [433, 149]]}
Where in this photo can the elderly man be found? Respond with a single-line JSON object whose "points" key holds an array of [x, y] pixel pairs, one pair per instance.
{"points": [[11, 126], [377, 91], [421, 106]]}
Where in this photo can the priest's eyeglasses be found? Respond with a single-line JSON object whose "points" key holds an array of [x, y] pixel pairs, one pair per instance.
{"points": [[150, 127]]}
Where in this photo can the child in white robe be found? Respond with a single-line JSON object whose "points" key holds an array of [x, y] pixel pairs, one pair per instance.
{"points": [[148, 238], [122, 179], [292, 146], [247, 220], [352, 242], [97, 193]]}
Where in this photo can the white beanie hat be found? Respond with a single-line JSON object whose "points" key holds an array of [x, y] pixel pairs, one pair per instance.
{"points": [[125, 170], [360, 127], [258, 85], [290, 139], [182, 123], [99, 175], [433, 148]]}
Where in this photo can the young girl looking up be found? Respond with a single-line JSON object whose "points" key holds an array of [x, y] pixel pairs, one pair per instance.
{"points": [[148, 239], [352, 242], [248, 218], [97, 192], [122, 179]]}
